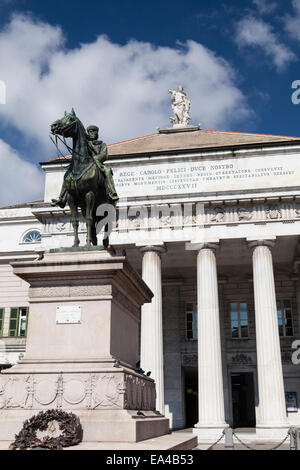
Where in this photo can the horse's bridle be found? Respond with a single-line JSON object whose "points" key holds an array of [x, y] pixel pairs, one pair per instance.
{"points": [[63, 141], [57, 137]]}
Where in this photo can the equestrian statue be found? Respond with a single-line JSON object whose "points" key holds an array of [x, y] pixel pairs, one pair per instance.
{"points": [[87, 181]]}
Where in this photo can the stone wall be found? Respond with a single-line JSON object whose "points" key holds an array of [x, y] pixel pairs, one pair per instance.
{"points": [[173, 378], [13, 293]]}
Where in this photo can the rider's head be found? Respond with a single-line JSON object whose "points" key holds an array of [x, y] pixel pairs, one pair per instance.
{"points": [[93, 132]]}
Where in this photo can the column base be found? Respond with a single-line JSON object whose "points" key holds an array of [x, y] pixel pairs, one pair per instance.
{"points": [[209, 434], [272, 432]]}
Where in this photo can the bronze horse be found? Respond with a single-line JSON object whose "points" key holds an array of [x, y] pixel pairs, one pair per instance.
{"points": [[84, 182]]}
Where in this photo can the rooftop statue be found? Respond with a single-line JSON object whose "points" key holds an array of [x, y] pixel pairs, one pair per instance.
{"points": [[181, 106], [87, 181]]}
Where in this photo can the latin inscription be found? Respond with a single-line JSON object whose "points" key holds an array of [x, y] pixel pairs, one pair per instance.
{"points": [[186, 177]]}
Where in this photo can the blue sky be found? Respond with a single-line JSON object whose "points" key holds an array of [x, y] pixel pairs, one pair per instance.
{"points": [[115, 60]]}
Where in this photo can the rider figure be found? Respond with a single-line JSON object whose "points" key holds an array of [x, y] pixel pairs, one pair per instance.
{"points": [[98, 151]]}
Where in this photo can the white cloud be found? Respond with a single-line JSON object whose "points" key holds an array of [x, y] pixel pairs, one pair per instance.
{"points": [[265, 6], [19, 180], [256, 33], [292, 22], [122, 88]]}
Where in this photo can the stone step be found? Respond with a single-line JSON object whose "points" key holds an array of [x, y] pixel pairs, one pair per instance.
{"points": [[173, 441]]}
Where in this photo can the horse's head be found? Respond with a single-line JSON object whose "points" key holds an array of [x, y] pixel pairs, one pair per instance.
{"points": [[65, 125]]}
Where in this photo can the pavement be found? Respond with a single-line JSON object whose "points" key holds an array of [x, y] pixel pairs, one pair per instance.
{"points": [[178, 440], [254, 446], [174, 441], [247, 441]]}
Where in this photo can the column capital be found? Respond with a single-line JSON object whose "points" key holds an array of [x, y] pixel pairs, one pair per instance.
{"points": [[255, 242], [202, 246], [153, 248]]}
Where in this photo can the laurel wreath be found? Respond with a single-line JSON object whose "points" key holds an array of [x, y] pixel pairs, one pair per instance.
{"points": [[69, 424]]}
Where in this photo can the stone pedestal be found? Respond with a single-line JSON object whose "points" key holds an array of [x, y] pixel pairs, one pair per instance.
{"points": [[82, 358]]}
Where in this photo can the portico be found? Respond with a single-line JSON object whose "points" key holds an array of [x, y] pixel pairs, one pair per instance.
{"points": [[213, 276]]}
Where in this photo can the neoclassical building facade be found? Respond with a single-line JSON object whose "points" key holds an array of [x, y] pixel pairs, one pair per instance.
{"points": [[211, 220]]}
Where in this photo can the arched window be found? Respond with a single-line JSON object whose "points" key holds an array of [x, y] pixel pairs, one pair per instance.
{"points": [[32, 237]]}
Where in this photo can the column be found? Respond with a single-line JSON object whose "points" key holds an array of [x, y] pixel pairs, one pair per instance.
{"points": [[211, 395], [151, 323], [297, 288], [296, 270], [298, 303], [271, 415]]}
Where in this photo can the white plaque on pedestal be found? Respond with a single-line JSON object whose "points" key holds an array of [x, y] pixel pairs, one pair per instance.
{"points": [[68, 314]]}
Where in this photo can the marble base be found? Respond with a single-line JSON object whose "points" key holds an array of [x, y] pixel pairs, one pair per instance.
{"points": [[179, 128], [107, 400], [272, 433], [209, 435], [98, 426]]}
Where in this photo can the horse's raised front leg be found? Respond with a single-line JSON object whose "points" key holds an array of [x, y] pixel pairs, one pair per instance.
{"points": [[74, 219], [89, 202]]}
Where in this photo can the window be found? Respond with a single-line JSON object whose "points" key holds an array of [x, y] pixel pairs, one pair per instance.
{"points": [[18, 321], [285, 317], [191, 321], [1, 321], [32, 237], [239, 320]]}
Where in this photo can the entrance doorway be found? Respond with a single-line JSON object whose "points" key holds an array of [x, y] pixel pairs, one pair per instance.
{"points": [[243, 400], [191, 396]]}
